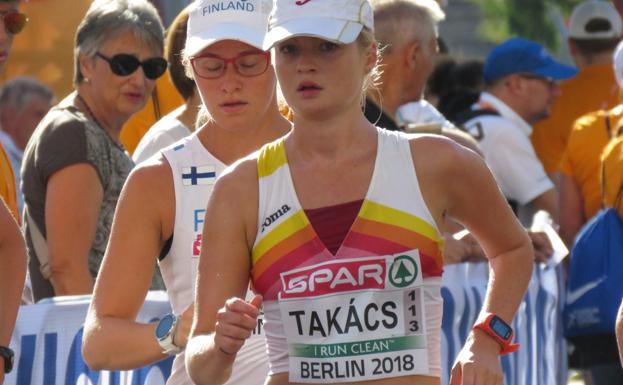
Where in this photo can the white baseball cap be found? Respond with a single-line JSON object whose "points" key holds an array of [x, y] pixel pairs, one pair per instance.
{"points": [[210, 21], [595, 20], [340, 21]]}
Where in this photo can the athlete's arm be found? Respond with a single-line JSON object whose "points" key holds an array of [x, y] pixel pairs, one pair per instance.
{"points": [[73, 199], [223, 320], [126, 272], [473, 199], [12, 274]]}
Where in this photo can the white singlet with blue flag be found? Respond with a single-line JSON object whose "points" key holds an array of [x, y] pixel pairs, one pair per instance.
{"points": [[195, 171]]}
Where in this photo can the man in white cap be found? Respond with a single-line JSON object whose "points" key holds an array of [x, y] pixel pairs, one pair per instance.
{"points": [[594, 30]]}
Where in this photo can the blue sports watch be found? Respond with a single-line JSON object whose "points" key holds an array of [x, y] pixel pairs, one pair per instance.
{"points": [[165, 331]]}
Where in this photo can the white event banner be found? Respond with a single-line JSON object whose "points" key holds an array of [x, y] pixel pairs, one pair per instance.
{"points": [[48, 341]]}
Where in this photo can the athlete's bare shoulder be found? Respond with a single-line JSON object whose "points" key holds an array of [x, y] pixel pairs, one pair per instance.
{"points": [[241, 172], [438, 152], [152, 174], [150, 193], [441, 165], [235, 197]]}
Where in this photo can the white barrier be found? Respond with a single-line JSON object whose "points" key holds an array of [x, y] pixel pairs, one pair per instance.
{"points": [[47, 337], [47, 343]]}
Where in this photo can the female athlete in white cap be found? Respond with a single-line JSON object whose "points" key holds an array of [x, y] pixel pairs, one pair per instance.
{"points": [[339, 226], [162, 207]]}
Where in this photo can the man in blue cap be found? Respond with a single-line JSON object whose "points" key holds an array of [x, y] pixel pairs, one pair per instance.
{"points": [[521, 83]]}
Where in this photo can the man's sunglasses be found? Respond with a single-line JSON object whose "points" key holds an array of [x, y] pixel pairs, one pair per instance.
{"points": [[549, 82], [14, 21], [124, 64]]}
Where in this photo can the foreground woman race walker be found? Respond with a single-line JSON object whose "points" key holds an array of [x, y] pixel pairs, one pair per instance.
{"points": [[338, 225], [161, 210]]}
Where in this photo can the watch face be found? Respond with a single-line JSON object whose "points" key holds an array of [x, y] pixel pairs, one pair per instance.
{"points": [[165, 325], [500, 328]]}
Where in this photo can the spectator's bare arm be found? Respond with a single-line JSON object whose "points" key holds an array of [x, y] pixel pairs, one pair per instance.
{"points": [[548, 201], [73, 200]]}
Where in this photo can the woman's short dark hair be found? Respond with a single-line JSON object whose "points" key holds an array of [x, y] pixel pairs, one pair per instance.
{"points": [[106, 19]]}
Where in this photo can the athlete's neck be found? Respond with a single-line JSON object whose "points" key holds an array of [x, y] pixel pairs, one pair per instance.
{"points": [[330, 137], [230, 144]]}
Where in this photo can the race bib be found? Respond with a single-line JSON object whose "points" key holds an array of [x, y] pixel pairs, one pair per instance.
{"points": [[355, 319]]}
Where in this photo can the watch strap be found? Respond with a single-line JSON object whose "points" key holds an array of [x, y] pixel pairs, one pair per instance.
{"points": [[7, 354], [506, 345]]}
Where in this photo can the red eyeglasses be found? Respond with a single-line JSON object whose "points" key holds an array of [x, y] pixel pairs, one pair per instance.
{"points": [[14, 21], [246, 64]]}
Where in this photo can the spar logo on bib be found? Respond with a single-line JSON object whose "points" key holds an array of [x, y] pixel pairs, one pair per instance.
{"points": [[403, 271], [346, 275]]}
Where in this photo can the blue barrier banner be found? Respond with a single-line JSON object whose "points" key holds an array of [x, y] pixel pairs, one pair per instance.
{"points": [[542, 357], [48, 338]]}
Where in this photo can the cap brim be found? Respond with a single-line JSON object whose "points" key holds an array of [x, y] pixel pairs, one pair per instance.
{"points": [[339, 31], [556, 71], [224, 31]]}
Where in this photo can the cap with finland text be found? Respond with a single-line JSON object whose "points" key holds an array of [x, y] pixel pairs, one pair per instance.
{"points": [[519, 55], [340, 21], [210, 21], [595, 20]]}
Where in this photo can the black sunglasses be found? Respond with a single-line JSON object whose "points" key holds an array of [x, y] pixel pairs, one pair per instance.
{"points": [[14, 21], [124, 64]]}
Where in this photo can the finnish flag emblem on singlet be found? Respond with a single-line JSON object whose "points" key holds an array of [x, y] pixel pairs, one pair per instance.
{"points": [[198, 175]]}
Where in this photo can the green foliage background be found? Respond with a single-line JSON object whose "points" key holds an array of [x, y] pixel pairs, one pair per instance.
{"points": [[533, 19]]}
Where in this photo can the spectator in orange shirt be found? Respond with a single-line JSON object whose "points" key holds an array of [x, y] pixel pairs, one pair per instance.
{"points": [[12, 248], [12, 23], [580, 196], [594, 31]]}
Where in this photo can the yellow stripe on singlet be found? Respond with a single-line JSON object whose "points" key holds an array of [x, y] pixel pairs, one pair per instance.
{"points": [[290, 226], [380, 213], [272, 156]]}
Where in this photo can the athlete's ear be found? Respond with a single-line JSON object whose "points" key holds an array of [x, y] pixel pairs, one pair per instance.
{"points": [[372, 57]]}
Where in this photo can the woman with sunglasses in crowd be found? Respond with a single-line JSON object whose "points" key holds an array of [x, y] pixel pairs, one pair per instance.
{"points": [[162, 208], [74, 165], [339, 226]]}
